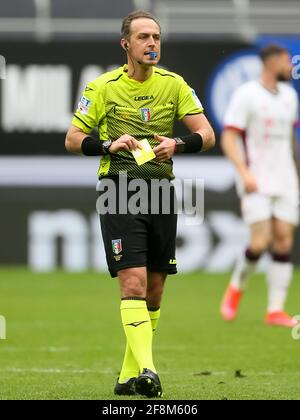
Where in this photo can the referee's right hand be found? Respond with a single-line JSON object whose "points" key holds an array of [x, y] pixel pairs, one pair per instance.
{"points": [[125, 142]]}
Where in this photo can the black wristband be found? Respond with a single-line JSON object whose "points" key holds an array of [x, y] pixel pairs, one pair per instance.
{"points": [[192, 143], [92, 147]]}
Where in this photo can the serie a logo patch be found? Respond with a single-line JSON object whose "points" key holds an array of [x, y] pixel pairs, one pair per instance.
{"points": [[84, 105]]}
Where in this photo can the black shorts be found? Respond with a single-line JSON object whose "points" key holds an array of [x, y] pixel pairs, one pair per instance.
{"points": [[141, 240]]}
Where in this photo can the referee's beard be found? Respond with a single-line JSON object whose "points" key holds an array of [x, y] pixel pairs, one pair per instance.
{"points": [[284, 77]]}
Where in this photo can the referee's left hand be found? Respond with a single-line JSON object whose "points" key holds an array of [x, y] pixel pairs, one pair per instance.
{"points": [[165, 150]]}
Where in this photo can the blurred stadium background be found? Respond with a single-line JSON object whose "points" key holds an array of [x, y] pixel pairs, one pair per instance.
{"points": [[52, 48], [64, 338]]}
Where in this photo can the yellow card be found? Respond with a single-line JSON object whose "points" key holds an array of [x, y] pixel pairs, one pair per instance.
{"points": [[145, 154]]}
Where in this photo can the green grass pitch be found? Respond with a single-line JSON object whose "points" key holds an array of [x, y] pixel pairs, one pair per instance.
{"points": [[65, 341]]}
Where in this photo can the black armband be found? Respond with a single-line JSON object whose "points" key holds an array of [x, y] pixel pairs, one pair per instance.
{"points": [[92, 147], [191, 143]]}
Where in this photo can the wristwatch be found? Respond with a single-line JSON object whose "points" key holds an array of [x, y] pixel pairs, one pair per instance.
{"points": [[105, 147], [180, 145]]}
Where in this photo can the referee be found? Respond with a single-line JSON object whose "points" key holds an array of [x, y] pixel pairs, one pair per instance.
{"points": [[136, 102]]}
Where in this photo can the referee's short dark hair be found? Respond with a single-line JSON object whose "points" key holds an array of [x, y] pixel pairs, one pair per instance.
{"points": [[271, 50], [138, 14]]}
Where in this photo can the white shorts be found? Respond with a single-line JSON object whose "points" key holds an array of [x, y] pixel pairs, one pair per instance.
{"points": [[258, 208]]}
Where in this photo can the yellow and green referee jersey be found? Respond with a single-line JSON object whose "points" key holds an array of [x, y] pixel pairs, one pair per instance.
{"points": [[118, 105]]}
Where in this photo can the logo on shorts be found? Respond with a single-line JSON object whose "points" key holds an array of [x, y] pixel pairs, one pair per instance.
{"points": [[145, 114], [173, 262], [117, 248]]}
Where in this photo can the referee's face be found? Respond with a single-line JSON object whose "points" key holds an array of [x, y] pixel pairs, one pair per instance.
{"points": [[144, 38]]}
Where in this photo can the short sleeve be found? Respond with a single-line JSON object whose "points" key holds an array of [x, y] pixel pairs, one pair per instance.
{"points": [[188, 101], [238, 111], [90, 109]]}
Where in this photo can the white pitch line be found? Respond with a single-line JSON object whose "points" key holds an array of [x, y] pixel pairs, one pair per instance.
{"points": [[51, 349], [56, 370], [54, 349], [109, 371]]}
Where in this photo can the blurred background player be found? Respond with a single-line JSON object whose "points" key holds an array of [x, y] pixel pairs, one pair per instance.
{"points": [[264, 114], [135, 102]]}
